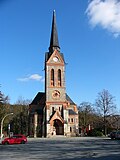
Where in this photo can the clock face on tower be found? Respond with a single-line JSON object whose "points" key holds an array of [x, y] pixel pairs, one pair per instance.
{"points": [[56, 94], [55, 59]]}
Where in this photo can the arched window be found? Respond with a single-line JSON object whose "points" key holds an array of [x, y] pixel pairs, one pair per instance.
{"points": [[52, 77], [59, 77]]}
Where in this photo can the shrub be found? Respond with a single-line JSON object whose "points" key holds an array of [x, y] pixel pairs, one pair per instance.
{"points": [[95, 133]]}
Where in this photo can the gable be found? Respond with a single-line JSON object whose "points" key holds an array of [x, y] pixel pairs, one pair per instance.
{"points": [[55, 58], [56, 115]]}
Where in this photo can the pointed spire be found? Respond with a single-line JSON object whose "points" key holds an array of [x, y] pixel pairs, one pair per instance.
{"points": [[54, 44]]}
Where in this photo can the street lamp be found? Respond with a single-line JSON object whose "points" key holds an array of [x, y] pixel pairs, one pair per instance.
{"points": [[3, 121]]}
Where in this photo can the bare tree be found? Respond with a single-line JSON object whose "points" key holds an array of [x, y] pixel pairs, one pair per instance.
{"points": [[22, 101], [105, 105], [87, 116]]}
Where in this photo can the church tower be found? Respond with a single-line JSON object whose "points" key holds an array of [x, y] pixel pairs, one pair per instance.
{"points": [[53, 112], [54, 69], [55, 85]]}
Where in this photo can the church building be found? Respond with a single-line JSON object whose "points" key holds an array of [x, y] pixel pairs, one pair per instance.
{"points": [[53, 112]]}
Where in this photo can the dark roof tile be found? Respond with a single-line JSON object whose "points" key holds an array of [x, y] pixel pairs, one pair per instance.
{"points": [[71, 112], [39, 99], [69, 99]]}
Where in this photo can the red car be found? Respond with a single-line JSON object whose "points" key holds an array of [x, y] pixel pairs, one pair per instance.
{"points": [[16, 139]]}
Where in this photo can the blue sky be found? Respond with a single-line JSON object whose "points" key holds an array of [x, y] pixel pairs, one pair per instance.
{"points": [[89, 37]]}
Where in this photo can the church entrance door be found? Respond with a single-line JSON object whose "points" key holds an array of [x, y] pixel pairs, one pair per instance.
{"points": [[59, 127]]}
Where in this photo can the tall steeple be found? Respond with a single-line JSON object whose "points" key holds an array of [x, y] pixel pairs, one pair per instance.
{"points": [[54, 44]]}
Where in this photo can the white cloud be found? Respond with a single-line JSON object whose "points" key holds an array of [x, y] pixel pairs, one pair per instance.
{"points": [[105, 13], [35, 77]]}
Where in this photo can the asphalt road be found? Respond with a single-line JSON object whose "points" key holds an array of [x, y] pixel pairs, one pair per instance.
{"points": [[60, 148]]}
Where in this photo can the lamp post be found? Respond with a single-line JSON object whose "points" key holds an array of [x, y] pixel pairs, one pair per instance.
{"points": [[3, 121]]}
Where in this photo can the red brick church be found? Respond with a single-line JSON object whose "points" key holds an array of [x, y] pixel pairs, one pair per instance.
{"points": [[52, 112]]}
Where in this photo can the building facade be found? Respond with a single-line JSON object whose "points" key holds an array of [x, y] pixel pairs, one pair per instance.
{"points": [[53, 112]]}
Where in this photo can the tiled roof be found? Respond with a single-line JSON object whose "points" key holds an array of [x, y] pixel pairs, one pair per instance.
{"points": [[39, 99], [71, 112], [69, 99]]}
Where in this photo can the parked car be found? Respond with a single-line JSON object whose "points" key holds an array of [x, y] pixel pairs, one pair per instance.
{"points": [[113, 135], [117, 135], [15, 139]]}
